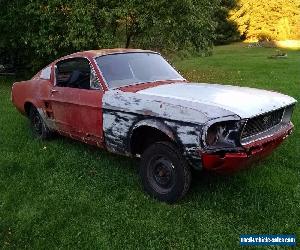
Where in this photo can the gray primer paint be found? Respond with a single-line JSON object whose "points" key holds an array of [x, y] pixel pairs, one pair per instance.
{"points": [[245, 102], [182, 111], [163, 107], [181, 121]]}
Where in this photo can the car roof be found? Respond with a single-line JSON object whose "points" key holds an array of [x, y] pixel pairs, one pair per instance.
{"points": [[103, 52]]}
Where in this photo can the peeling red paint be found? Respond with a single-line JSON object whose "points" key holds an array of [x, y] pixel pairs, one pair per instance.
{"points": [[141, 86]]}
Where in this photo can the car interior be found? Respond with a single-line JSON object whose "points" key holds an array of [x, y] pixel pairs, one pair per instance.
{"points": [[73, 73]]}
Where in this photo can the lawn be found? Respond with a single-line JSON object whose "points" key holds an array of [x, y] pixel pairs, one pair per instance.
{"points": [[64, 194]]}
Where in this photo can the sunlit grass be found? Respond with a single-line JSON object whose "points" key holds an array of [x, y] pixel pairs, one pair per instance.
{"points": [[64, 194]]}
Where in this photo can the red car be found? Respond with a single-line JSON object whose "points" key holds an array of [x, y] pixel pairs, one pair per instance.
{"points": [[132, 102]]}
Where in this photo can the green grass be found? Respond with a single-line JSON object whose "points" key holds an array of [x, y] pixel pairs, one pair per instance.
{"points": [[64, 194]]}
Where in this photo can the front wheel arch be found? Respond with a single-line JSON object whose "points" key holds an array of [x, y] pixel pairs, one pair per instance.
{"points": [[147, 132]]}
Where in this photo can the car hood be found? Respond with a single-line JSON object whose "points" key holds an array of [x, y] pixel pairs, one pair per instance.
{"points": [[194, 103], [242, 101]]}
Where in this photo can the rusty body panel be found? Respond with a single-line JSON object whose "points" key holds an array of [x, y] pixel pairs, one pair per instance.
{"points": [[183, 112], [124, 112], [142, 86]]}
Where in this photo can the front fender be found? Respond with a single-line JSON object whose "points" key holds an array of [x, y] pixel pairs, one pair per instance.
{"points": [[119, 126], [185, 135], [154, 123]]}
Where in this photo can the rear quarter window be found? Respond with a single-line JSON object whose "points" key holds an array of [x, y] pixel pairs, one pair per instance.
{"points": [[46, 73]]}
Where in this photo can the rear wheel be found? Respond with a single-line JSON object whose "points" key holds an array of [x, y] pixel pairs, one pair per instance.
{"points": [[164, 173], [38, 126]]}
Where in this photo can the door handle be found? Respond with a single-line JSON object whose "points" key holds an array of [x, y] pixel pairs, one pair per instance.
{"points": [[54, 91]]}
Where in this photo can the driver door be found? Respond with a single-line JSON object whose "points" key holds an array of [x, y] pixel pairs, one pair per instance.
{"points": [[76, 100]]}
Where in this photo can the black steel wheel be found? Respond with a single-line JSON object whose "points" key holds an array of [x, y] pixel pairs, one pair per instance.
{"points": [[164, 173], [39, 128]]}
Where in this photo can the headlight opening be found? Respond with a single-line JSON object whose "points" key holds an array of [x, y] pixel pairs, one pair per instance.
{"points": [[224, 134]]}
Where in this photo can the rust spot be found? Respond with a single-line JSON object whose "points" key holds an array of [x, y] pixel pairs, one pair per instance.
{"points": [[149, 112]]}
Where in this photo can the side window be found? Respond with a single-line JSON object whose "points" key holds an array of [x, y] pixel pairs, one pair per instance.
{"points": [[73, 73], [46, 73]]}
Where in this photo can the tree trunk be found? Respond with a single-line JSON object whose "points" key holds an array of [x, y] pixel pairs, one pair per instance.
{"points": [[128, 40]]}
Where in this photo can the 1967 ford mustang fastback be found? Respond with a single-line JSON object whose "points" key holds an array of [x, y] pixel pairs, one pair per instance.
{"points": [[132, 102]]}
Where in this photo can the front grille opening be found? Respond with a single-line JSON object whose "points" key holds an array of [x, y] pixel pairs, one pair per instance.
{"points": [[262, 123]]}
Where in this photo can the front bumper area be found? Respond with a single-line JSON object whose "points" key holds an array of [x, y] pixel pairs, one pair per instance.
{"points": [[231, 162]]}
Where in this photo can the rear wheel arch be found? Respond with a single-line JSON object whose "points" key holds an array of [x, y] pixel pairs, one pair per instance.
{"points": [[32, 103], [38, 125], [27, 107]]}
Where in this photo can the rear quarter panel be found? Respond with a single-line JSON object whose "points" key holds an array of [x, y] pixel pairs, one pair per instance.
{"points": [[34, 91]]}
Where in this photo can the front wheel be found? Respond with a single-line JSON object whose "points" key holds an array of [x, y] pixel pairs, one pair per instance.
{"points": [[164, 173]]}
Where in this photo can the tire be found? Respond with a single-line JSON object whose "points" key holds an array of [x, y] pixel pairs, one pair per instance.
{"points": [[164, 173], [38, 126]]}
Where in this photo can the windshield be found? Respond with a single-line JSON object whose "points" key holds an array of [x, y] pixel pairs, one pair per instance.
{"points": [[131, 68]]}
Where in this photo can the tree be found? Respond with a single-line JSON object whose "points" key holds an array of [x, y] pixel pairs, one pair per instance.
{"points": [[267, 19], [226, 30], [39, 30]]}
